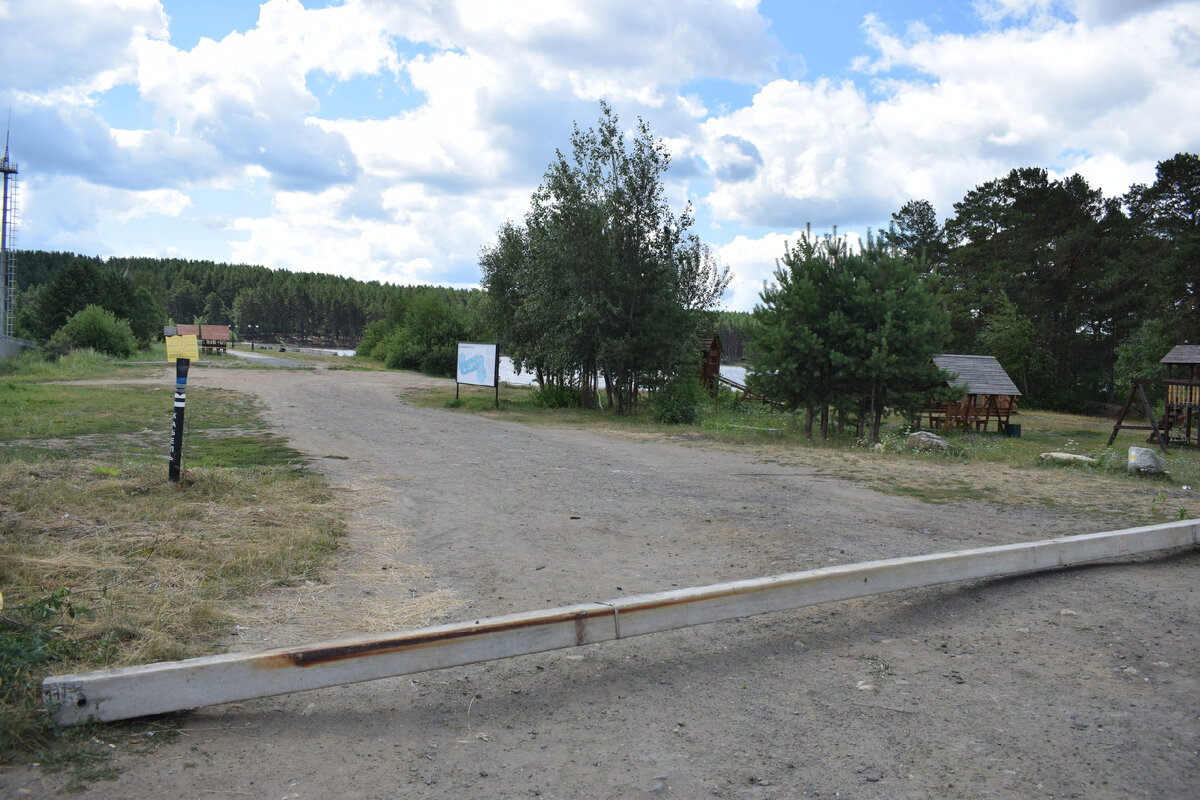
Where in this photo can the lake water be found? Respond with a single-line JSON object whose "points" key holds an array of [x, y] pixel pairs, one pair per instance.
{"points": [[511, 376], [319, 351], [507, 373]]}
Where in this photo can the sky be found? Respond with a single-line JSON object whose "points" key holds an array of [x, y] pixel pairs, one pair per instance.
{"points": [[389, 139]]}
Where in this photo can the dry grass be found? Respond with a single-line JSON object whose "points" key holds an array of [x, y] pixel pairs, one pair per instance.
{"points": [[161, 565]]}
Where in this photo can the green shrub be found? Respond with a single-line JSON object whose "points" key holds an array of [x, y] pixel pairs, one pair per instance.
{"points": [[95, 328], [556, 396], [373, 336], [677, 402], [399, 352], [440, 361]]}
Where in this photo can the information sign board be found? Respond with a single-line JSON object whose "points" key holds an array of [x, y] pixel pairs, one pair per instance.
{"points": [[477, 363], [182, 347]]}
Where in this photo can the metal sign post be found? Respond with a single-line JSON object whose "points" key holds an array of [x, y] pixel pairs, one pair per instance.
{"points": [[181, 372]]}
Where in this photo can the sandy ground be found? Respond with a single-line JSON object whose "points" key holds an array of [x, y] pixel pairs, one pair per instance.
{"points": [[1082, 682]]}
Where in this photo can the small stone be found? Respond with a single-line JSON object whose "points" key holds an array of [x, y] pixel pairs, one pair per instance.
{"points": [[1066, 612]]}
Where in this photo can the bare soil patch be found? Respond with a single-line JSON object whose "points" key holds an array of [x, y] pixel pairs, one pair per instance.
{"points": [[1075, 683]]}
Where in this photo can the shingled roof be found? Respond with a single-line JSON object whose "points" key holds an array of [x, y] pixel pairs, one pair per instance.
{"points": [[981, 374], [1183, 354]]}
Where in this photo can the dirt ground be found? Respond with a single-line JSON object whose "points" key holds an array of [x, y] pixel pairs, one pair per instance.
{"points": [[1081, 682]]}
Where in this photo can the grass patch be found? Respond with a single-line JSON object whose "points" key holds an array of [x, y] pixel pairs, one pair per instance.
{"points": [[43, 410], [104, 562]]}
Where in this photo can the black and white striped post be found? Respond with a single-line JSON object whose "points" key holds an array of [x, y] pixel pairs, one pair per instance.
{"points": [[181, 371]]}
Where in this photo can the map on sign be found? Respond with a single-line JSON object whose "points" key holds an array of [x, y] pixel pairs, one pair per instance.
{"points": [[182, 347], [477, 363]]}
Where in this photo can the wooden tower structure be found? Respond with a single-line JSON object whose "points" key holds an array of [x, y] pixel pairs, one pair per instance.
{"points": [[710, 362], [1181, 411]]}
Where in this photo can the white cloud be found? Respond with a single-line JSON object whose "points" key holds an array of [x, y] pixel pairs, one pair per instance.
{"points": [[70, 48], [754, 262], [420, 236], [248, 95], [1066, 96], [68, 213], [1092, 12]]}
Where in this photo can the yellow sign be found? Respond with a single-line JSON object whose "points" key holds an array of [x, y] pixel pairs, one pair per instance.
{"points": [[182, 347]]}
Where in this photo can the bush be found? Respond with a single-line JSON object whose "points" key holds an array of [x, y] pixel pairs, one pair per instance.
{"points": [[556, 396], [677, 402], [95, 328], [373, 336], [440, 361]]}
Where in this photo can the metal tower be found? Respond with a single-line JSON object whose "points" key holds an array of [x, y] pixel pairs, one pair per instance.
{"points": [[8, 279]]}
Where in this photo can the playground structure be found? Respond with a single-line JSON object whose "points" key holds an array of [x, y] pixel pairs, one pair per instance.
{"points": [[710, 361], [1181, 408], [711, 377], [991, 396]]}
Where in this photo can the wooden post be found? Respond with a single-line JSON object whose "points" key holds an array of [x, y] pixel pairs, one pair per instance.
{"points": [[173, 686], [1137, 388]]}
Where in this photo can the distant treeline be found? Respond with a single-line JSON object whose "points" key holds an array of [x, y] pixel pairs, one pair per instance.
{"points": [[259, 303], [414, 324], [733, 328]]}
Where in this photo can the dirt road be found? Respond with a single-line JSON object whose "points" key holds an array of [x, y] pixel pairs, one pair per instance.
{"points": [[1078, 683]]}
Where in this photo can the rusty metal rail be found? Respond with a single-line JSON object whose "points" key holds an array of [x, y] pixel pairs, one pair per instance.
{"points": [[174, 686]]}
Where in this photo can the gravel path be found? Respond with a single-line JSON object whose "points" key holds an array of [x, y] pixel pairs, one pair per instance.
{"points": [[1077, 683]]}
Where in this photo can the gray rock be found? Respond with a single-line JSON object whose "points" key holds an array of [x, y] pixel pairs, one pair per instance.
{"points": [[1145, 460], [924, 440], [1066, 458]]}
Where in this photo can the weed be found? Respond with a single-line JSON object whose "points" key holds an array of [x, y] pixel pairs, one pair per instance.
{"points": [[31, 636]]}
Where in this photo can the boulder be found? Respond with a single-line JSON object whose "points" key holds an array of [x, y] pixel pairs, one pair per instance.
{"points": [[924, 440], [1067, 458], [1146, 461]]}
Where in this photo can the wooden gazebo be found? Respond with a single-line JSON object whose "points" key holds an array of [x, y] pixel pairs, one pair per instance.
{"points": [[991, 395], [209, 338]]}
